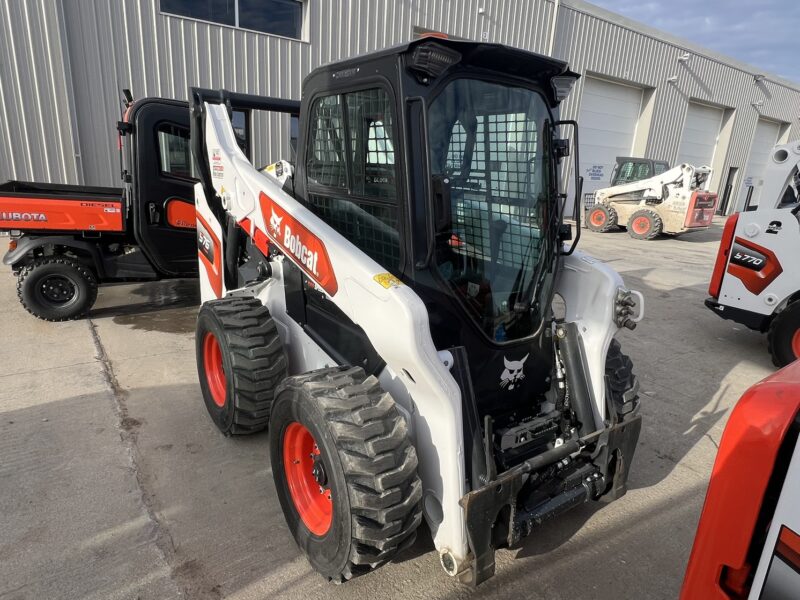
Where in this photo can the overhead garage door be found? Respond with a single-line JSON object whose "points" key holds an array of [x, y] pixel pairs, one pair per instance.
{"points": [[765, 138], [700, 135], [608, 118]]}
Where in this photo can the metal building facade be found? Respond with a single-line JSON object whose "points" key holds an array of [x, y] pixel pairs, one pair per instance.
{"points": [[64, 62]]}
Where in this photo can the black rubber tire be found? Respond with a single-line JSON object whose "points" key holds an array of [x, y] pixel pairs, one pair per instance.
{"points": [[31, 278], [610, 218], [253, 362], [655, 229], [782, 330], [371, 468], [622, 383]]}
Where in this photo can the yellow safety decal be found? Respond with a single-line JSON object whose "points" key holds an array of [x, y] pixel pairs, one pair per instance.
{"points": [[387, 280]]}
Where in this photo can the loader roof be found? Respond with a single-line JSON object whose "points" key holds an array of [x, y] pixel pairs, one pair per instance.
{"points": [[497, 58]]}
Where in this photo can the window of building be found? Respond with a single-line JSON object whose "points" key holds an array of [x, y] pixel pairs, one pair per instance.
{"points": [[355, 191], [175, 156], [277, 17]]}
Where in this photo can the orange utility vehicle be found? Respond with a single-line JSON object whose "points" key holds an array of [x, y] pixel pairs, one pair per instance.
{"points": [[67, 239]]}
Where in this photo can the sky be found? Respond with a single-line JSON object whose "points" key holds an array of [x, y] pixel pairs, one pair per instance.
{"points": [[762, 33]]}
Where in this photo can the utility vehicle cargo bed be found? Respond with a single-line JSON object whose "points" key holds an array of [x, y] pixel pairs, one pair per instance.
{"points": [[52, 207]]}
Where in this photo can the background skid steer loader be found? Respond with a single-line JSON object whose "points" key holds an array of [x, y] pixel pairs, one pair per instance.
{"points": [[756, 278], [387, 309], [674, 201]]}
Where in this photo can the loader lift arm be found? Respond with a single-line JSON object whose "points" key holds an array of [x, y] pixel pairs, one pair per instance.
{"points": [[348, 277]]}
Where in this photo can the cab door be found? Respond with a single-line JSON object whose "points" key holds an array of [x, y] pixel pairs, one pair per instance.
{"points": [[162, 190]]}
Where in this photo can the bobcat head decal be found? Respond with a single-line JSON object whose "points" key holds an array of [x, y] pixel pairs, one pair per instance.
{"points": [[275, 224], [512, 375]]}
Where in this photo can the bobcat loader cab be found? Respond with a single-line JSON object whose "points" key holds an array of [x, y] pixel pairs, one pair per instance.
{"points": [[756, 278], [387, 310]]}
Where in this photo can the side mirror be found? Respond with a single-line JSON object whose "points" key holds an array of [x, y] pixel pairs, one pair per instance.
{"points": [[561, 148], [578, 184]]}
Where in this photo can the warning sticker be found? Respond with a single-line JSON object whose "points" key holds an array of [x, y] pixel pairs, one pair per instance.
{"points": [[387, 280]]}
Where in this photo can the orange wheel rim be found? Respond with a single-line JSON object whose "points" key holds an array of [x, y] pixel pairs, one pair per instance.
{"points": [[307, 479], [598, 217], [796, 344], [215, 369], [641, 225]]}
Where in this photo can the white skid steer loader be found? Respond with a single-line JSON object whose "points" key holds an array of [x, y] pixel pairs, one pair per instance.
{"points": [[672, 202], [756, 278], [386, 308]]}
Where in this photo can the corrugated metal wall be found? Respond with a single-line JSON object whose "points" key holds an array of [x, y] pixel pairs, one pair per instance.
{"points": [[37, 131], [593, 45], [114, 44], [79, 54]]}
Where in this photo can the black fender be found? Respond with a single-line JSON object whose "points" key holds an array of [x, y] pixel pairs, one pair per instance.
{"points": [[28, 243]]}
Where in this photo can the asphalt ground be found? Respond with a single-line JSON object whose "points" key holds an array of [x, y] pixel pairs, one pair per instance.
{"points": [[115, 484]]}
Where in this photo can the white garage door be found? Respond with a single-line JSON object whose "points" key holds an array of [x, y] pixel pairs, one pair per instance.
{"points": [[608, 118], [765, 138], [700, 135]]}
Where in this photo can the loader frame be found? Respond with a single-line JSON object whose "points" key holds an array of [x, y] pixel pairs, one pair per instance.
{"points": [[239, 208]]}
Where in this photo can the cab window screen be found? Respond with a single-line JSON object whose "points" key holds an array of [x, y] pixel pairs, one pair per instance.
{"points": [[174, 154], [624, 173], [355, 192], [325, 162], [642, 171], [369, 117]]}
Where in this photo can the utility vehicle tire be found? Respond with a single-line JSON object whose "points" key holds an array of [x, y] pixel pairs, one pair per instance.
{"points": [[240, 362], [783, 337], [601, 218], [56, 288], [622, 383], [645, 225], [345, 471]]}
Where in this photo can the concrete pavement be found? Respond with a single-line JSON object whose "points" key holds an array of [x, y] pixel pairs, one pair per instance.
{"points": [[115, 484]]}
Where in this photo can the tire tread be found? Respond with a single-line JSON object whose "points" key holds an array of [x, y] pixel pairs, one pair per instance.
{"points": [[259, 364], [82, 270], [378, 460]]}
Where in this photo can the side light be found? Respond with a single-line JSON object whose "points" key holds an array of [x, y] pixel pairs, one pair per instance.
{"points": [[562, 85]]}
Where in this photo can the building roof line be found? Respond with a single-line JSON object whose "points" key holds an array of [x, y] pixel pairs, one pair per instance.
{"points": [[603, 14]]}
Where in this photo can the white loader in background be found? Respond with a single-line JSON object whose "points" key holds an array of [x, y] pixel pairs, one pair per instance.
{"points": [[756, 279], [674, 201]]}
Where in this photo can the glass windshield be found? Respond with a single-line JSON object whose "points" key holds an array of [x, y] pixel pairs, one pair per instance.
{"points": [[494, 202]]}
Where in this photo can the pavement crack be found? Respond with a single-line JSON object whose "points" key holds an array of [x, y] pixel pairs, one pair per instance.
{"points": [[184, 573]]}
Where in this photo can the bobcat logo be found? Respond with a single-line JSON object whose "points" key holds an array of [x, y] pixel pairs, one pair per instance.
{"points": [[275, 224], [512, 375], [774, 227]]}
